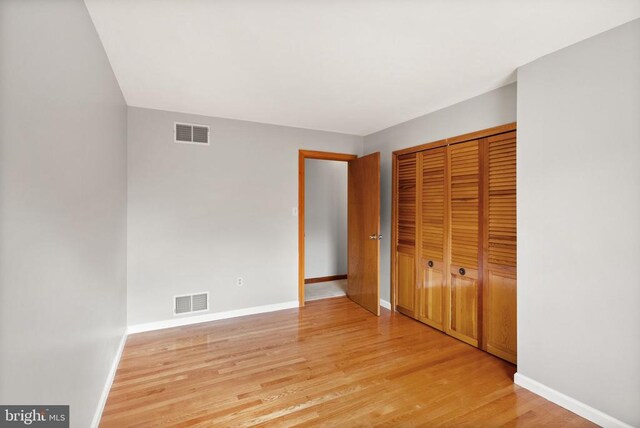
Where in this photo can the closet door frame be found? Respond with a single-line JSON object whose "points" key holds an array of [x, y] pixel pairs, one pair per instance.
{"points": [[477, 135]]}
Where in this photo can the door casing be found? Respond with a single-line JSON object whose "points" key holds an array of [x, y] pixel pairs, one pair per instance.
{"points": [[302, 156]]}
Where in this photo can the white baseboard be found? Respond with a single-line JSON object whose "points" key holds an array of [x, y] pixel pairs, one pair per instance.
{"points": [[109, 382], [571, 404], [178, 322], [385, 304]]}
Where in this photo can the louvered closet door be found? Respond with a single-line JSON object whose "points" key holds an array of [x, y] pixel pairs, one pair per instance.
{"points": [[406, 233], [432, 232], [464, 206], [499, 298]]}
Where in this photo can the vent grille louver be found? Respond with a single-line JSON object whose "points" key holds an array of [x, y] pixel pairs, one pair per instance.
{"points": [[183, 132], [189, 133], [200, 134], [183, 304], [190, 303], [199, 302]]}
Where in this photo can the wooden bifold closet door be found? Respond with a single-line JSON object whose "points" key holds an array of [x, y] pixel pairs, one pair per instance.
{"points": [[454, 249], [500, 246], [464, 220], [432, 225], [406, 232]]}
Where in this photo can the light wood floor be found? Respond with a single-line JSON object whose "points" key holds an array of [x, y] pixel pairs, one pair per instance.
{"points": [[329, 364]]}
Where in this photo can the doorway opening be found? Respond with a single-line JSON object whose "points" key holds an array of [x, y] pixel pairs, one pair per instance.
{"points": [[362, 226], [325, 229], [303, 279]]}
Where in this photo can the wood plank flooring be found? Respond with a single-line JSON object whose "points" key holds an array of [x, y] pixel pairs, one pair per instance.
{"points": [[330, 363]]}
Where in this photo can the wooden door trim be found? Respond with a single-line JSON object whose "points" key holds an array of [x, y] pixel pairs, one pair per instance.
{"points": [[394, 230], [483, 133], [312, 154], [446, 301], [302, 156], [446, 314], [419, 273], [483, 196]]}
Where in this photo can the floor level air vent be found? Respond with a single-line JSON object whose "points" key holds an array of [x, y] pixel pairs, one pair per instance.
{"points": [[190, 303], [191, 134]]}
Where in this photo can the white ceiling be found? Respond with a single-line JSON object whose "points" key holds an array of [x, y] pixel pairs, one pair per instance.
{"points": [[353, 66]]}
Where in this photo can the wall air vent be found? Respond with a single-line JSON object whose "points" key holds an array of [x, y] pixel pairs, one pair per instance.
{"points": [[190, 133], [190, 303]]}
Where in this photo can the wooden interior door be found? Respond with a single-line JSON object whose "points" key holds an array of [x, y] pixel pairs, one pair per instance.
{"points": [[363, 284], [464, 218], [405, 247], [432, 215], [500, 252]]}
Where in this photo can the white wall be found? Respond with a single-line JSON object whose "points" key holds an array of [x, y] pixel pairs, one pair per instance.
{"points": [[491, 109], [325, 218], [199, 217], [62, 208], [579, 221]]}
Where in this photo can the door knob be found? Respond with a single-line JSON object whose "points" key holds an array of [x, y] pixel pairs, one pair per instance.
{"points": [[379, 237], [372, 237], [430, 263], [462, 271]]}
